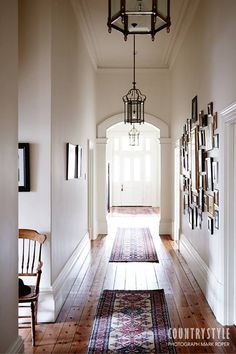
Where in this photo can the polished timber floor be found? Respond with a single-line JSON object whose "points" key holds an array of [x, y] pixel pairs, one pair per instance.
{"points": [[186, 303]]}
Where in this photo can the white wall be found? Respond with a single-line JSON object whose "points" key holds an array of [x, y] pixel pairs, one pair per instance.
{"points": [[8, 175], [56, 106], [205, 66], [35, 118], [73, 120]]}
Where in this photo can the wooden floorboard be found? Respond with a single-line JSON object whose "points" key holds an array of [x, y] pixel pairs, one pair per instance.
{"points": [[187, 305]]}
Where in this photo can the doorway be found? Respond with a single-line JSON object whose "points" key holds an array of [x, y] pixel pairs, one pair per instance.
{"points": [[134, 169]]}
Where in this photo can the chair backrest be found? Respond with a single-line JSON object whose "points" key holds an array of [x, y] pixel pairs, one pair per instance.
{"points": [[30, 249]]}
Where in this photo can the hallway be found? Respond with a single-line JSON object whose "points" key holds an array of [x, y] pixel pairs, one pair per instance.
{"points": [[186, 303]]}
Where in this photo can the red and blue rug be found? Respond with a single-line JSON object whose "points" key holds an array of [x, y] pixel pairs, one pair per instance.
{"points": [[131, 321], [133, 245]]}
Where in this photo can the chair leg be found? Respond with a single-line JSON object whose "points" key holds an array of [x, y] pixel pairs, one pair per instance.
{"points": [[33, 323]]}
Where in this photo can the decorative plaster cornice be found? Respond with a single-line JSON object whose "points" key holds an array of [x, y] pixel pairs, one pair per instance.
{"points": [[79, 8], [182, 27]]}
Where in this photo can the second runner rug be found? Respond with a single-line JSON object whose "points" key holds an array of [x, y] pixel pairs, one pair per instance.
{"points": [[133, 245]]}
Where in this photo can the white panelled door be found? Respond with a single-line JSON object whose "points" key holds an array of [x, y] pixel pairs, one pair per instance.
{"points": [[132, 172]]}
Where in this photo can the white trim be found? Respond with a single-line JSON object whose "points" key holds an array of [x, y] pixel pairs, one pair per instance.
{"points": [[117, 118], [85, 31], [52, 299], [228, 119], [188, 11], [204, 276], [17, 347], [165, 227]]}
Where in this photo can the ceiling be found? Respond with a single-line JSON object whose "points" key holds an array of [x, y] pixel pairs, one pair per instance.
{"points": [[109, 50]]}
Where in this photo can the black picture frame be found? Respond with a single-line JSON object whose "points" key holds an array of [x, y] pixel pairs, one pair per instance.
{"points": [[23, 167], [194, 110], [210, 225], [71, 156]]}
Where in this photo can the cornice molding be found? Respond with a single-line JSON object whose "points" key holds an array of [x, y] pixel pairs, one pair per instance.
{"points": [[182, 27], [79, 9], [128, 70]]}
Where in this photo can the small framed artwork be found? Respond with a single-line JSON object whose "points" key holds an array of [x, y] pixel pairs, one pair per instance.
{"points": [[211, 207], [205, 202], [216, 197], [210, 225], [216, 141], [215, 121], [210, 108], [191, 217], [199, 219], [194, 159], [23, 167], [209, 179], [79, 155], [215, 172], [195, 200], [209, 136], [194, 110], [200, 118], [205, 120], [201, 199], [71, 161], [217, 219]]}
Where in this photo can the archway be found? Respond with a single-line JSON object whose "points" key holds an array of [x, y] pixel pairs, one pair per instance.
{"points": [[166, 172]]}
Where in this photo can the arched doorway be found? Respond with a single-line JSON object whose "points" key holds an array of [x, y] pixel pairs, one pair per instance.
{"points": [[165, 172]]}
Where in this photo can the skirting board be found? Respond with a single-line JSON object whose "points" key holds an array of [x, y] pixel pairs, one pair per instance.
{"points": [[165, 227], [52, 299], [17, 347], [208, 283]]}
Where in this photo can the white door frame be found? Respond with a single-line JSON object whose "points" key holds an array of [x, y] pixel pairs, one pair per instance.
{"points": [[177, 209], [227, 123], [91, 189], [166, 151]]}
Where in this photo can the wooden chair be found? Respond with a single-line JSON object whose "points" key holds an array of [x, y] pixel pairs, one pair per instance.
{"points": [[30, 265]]}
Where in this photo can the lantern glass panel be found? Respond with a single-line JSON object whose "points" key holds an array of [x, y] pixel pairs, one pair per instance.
{"points": [[138, 5], [159, 22], [115, 7], [143, 23], [162, 7]]}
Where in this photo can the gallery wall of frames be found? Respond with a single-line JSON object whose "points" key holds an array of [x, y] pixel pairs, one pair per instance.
{"points": [[200, 167]]}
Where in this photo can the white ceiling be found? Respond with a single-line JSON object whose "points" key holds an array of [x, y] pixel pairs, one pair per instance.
{"points": [[109, 50]]}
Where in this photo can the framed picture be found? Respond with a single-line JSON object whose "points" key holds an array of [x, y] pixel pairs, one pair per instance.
{"points": [[210, 225], [194, 159], [210, 206], [79, 155], [199, 219], [71, 161], [216, 141], [23, 167], [209, 179], [210, 108], [201, 139], [205, 120], [215, 172], [200, 118], [201, 199], [191, 217], [215, 121], [194, 110], [217, 219], [209, 136], [216, 197]]}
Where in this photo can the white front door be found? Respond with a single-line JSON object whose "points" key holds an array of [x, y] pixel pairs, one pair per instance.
{"points": [[132, 172]]}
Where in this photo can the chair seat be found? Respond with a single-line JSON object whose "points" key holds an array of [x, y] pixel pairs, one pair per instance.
{"points": [[29, 297]]}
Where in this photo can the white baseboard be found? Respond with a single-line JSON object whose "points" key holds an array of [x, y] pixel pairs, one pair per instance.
{"points": [[207, 281], [17, 347], [101, 228], [52, 299], [165, 227]]}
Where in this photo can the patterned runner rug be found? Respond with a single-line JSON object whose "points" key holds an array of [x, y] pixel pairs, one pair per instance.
{"points": [[132, 322], [133, 245]]}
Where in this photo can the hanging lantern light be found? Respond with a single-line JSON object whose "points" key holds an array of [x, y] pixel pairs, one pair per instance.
{"points": [[134, 101], [151, 16], [134, 136]]}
